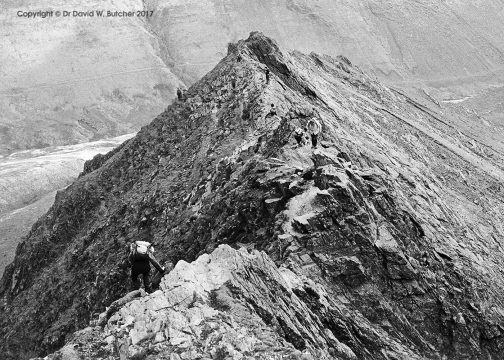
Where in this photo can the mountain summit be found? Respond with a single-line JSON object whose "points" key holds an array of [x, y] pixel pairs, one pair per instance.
{"points": [[383, 243]]}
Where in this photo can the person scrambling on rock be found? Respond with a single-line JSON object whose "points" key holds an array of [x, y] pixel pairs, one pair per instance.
{"points": [[267, 76], [299, 136], [141, 255], [314, 129]]}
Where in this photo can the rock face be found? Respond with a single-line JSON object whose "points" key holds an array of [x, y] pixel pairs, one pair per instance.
{"points": [[383, 243]]}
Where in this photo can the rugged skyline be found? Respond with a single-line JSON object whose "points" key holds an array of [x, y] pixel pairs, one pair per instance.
{"points": [[68, 80]]}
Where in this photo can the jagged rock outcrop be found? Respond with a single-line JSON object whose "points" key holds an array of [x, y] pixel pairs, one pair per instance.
{"points": [[384, 243], [229, 304]]}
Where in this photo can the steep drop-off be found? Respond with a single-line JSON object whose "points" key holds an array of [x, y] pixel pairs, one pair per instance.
{"points": [[28, 182], [386, 242]]}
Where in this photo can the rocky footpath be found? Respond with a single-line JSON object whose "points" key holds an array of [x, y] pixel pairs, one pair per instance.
{"points": [[383, 243]]}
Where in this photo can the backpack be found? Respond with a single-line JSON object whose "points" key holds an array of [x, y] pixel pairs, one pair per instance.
{"points": [[140, 250]]}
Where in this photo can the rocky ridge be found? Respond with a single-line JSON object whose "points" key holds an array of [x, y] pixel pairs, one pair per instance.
{"points": [[384, 243]]}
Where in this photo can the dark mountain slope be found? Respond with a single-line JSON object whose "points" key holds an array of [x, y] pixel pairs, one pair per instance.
{"points": [[400, 224]]}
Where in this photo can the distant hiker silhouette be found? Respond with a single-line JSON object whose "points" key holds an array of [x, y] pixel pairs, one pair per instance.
{"points": [[233, 82], [141, 255], [272, 111], [314, 129], [181, 94], [267, 76]]}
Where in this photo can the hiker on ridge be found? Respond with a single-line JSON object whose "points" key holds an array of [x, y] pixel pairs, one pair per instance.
{"points": [[267, 76], [314, 129], [299, 136], [141, 255], [272, 111], [179, 94]]}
